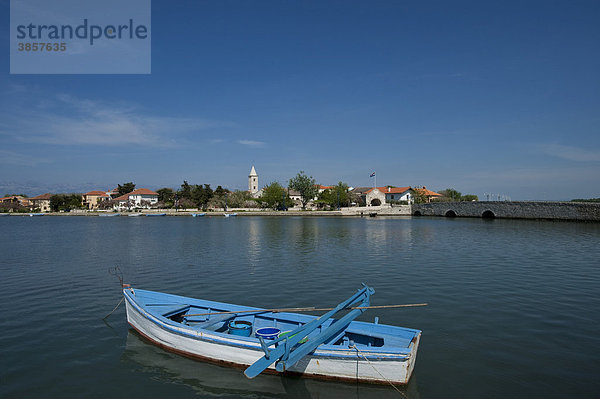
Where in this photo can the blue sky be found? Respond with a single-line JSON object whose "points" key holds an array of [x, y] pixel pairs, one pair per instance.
{"points": [[483, 97]]}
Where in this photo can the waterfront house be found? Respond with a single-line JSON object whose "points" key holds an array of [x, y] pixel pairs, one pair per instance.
{"points": [[92, 198], [139, 198], [41, 202], [114, 193], [376, 196], [18, 200], [14, 203], [321, 188], [427, 194], [295, 196]]}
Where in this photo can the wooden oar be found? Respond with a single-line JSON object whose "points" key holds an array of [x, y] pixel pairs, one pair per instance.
{"points": [[309, 309], [283, 352]]}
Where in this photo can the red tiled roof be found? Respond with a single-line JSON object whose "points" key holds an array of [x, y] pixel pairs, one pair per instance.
{"points": [[391, 190], [427, 192], [139, 191], [97, 192], [20, 199], [123, 197], [42, 197], [17, 197], [143, 191]]}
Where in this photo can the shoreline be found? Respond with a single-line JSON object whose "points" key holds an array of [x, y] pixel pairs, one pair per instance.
{"points": [[561, 211]]}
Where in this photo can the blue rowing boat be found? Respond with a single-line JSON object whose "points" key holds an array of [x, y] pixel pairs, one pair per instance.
{"points": [[276, 341], [156, 214]]}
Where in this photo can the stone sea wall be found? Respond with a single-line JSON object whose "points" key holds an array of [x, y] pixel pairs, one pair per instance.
{"points": [[512, 210], [478, 209]]}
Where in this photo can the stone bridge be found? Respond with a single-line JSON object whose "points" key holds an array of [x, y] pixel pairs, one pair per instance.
{"points": [[513, 210]]}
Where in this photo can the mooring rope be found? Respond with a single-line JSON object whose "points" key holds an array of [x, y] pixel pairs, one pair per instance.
{"points": [[116, 271], [120, 302], [378, 372]]}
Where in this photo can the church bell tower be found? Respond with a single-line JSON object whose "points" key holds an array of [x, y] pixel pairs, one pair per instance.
{"points": [[253, 181]]}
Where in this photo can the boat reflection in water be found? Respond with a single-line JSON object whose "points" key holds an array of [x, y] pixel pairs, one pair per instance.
{"points": [[213, 380]]}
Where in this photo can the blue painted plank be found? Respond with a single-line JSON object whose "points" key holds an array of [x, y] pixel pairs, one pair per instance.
{"points": [[214, 320], [313, 343], [295, 336]]}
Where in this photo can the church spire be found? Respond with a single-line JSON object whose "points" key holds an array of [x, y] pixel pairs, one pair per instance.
{"points": [[253, 181]]}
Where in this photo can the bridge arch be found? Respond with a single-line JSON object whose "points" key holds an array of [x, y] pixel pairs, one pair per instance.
{"points": [[450, 214], [417, 213], [488, 215]]}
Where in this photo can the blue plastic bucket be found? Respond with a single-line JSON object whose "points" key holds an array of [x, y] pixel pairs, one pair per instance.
{"points": [[240, 327], [268, 332]]}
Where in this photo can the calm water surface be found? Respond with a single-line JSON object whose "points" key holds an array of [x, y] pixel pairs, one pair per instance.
{"points": [[514, 305]]}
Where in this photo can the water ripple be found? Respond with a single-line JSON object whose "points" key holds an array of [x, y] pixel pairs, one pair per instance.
{"points": [[513, 307]]}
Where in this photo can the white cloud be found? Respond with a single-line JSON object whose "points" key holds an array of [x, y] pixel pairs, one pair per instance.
{"points": [[15, 158], [251, 143], [73, 121], [572, 153]]}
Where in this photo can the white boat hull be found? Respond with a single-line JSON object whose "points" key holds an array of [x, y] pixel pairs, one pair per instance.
{"points": [[346, 365]]}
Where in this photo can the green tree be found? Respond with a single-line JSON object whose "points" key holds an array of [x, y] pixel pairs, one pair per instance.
{"points": [[218, 201], [61, 202], [191, 195], [469, 197], [275, 196], [220, 191], [341, 193], [201, 195], [306, 186], [166, 197], [241, 199], [107, 204], [355, 198], [419, 196], [186, 191], [125, 188], [335, 196], [451, 194], [166, 194]]}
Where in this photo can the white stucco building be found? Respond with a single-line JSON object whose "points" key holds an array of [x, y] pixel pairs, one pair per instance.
{"points": [[140, 198]]}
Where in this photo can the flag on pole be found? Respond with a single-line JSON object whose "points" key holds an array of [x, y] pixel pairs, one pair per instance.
{"points": [[372, 174]]}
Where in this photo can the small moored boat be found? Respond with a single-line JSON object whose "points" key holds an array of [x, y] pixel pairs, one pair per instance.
{"points": [[277, 340], [197, 215], [156, 214], [36, 214], [229, 214]]}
